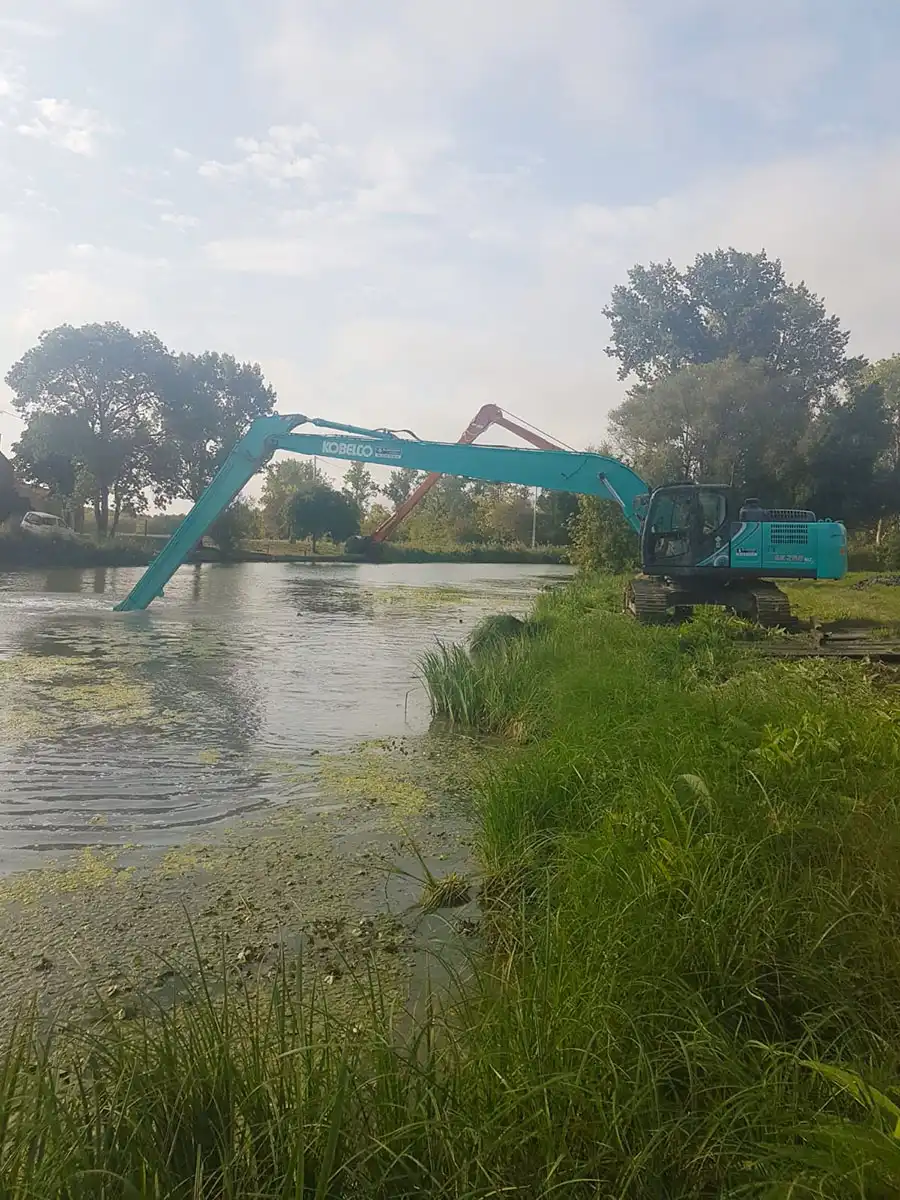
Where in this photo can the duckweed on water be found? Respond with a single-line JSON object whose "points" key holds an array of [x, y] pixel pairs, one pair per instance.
{"points": [[368, 774], [92, 869]]}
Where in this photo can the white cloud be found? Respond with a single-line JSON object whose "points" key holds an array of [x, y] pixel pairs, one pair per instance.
{"points": [[63, 124], [286, 154], [179, 220]]}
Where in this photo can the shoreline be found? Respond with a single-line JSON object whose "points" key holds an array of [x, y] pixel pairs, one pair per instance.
{"points": [[88, 557]]}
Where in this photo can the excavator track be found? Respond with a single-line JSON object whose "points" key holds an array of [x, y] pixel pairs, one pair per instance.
{"points": [[647, 601], [770, 607]]}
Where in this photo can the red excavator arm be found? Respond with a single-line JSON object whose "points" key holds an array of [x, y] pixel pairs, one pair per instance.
{"points": [[488, 415]]}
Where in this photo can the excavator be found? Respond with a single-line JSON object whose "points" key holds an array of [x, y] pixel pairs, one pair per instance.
{"points": [[487, 416], [699, 543]]}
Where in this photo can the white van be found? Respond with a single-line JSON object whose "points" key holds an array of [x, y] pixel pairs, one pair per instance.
{"points": [[43, 524]]}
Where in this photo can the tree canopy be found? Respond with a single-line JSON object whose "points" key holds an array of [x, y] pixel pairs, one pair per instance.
{"points": [[104, 384], [744, 377], [719, 422], [211, 400], [725, 304], [282, 481], [317, 510]]}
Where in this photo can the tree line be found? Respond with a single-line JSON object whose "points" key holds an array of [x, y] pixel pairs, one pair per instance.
{"points": [[735, 375]]}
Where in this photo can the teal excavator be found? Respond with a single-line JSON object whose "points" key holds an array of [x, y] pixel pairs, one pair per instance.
{"points": [[700, 543]]}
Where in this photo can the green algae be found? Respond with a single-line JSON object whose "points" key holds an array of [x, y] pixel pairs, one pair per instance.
{"points": [[421, 599], [370, 775], [91, 870]]}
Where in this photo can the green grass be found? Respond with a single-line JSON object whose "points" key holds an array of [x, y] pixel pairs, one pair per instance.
{"points": [[700, 846], [845, 599], [690, 872]]}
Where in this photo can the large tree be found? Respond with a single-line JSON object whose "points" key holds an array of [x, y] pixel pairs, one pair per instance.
{"points": [[317, 510], [727, 303], [104, 383], [716, 422], [211, 400]]}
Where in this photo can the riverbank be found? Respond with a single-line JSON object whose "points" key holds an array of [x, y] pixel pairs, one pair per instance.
{"points": [[689, 861], [22, 552]]}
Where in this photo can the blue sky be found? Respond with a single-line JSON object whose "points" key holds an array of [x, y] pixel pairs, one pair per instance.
{"points": [[406, 208]]}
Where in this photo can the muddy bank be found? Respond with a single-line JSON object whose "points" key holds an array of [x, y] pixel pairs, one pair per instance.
{"points": [[349, 885]]}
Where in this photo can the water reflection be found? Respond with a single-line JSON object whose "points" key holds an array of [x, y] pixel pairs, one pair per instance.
{"points": [[135, 728]]}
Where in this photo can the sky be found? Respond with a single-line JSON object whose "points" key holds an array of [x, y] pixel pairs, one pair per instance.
{"points": [[404, 209]]}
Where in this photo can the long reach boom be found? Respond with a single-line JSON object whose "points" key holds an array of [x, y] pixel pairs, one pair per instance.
{"points": [[551, 470]]}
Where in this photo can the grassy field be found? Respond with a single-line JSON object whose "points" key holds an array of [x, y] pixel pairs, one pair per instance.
{"points": [[854, 598], [690, 874]]}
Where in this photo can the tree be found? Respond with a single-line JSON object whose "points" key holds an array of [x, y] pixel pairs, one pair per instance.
{"points": [[10, 500], [446, 517], [602, 540], [240, 522], [886, 373], [101, 383], [375, 517], [360, 486], [400, 484], [555, 511], [727, 303], [209, 402], [843, 449], [283, 479], [316, 509], [716, 422], [503, 512], [47, 457], [106, 382]]}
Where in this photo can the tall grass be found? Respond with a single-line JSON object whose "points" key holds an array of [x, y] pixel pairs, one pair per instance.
{"points": [[702, 846], [691, 870]]}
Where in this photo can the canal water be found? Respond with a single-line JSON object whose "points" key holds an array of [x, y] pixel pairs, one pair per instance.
{"points": [[142, 728]]}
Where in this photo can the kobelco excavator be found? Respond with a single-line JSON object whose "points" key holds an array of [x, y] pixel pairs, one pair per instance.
{"points": [[700, 543]]}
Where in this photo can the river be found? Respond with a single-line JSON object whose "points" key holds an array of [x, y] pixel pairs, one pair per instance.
{"points": [[141, 729]]}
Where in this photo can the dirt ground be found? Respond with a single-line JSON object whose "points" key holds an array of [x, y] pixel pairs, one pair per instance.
{"points": [[350, 885]]}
